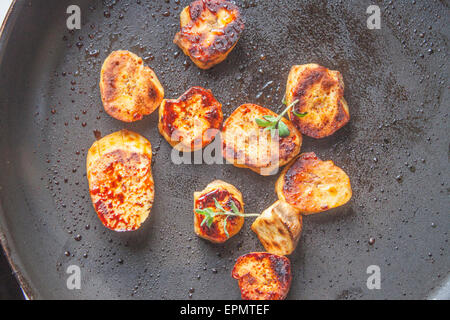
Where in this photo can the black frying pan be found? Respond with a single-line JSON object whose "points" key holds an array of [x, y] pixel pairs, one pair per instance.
{"points": [[395, 149]]}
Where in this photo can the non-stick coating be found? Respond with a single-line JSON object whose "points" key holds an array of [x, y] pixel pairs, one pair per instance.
{"points": [[395, 149]]}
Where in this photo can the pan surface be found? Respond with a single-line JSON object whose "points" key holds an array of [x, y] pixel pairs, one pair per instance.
{"points": [[395, 149]]}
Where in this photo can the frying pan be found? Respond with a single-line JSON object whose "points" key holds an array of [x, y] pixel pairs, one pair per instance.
{"points": [[395, 149]]}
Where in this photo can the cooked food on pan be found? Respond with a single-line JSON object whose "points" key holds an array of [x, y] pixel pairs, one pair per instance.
{"points": [[263, 276], [279, 228], [120, 180], [210, 207], [312, 185], [321, 95], [129, 89], [190, 122], [209, 31], [247, 142]]}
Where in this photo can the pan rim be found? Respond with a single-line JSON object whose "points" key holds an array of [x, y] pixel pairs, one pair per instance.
{"points": [[24, 283]]}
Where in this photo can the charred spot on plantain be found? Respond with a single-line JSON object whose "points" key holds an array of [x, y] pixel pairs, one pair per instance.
{"points": [[281, 269], [287, 146], [298, 166], [220, 195], [280, 231], [314, 76], [341, 115], [152, 94], [249, 278], [273, 244]]}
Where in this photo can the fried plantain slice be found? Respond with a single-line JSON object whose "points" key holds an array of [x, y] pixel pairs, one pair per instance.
{"points": [[279, 228], [321, 95], [263, 276], [190, 122], [225, 194], [209, 31], [129, 89], [312, 185], [120, 179], [247, 145]]}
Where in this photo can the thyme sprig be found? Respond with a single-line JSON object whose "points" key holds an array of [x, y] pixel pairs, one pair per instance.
{"points": [[209, 214], [274, 124]]}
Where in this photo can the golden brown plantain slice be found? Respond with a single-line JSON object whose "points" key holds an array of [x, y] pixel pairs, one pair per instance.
{"points": [[224, 193], [247, 145], [321, 94], [120, 179], [190, 122], [279, 228], [129, 89], [312, 185], [209, 31], [263, 276]]}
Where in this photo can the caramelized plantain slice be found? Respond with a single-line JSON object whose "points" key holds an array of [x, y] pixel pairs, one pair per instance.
{"points": [[312, 185], [247, 145], [321, 95], [190, 122], [225, 194], [129, 89], [263, 276], [120, 180], [279, 228], [209, 31]]}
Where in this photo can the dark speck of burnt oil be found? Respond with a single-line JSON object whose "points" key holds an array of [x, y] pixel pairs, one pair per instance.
{"points": [[97, 134]]}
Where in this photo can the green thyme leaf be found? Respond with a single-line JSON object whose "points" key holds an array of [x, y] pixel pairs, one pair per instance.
{"points": [[209, 215], [270, 118], [274, 124], [225, 227], [262, 123], [234, 208], [283, 130], [300, 115], [218, 205]]}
